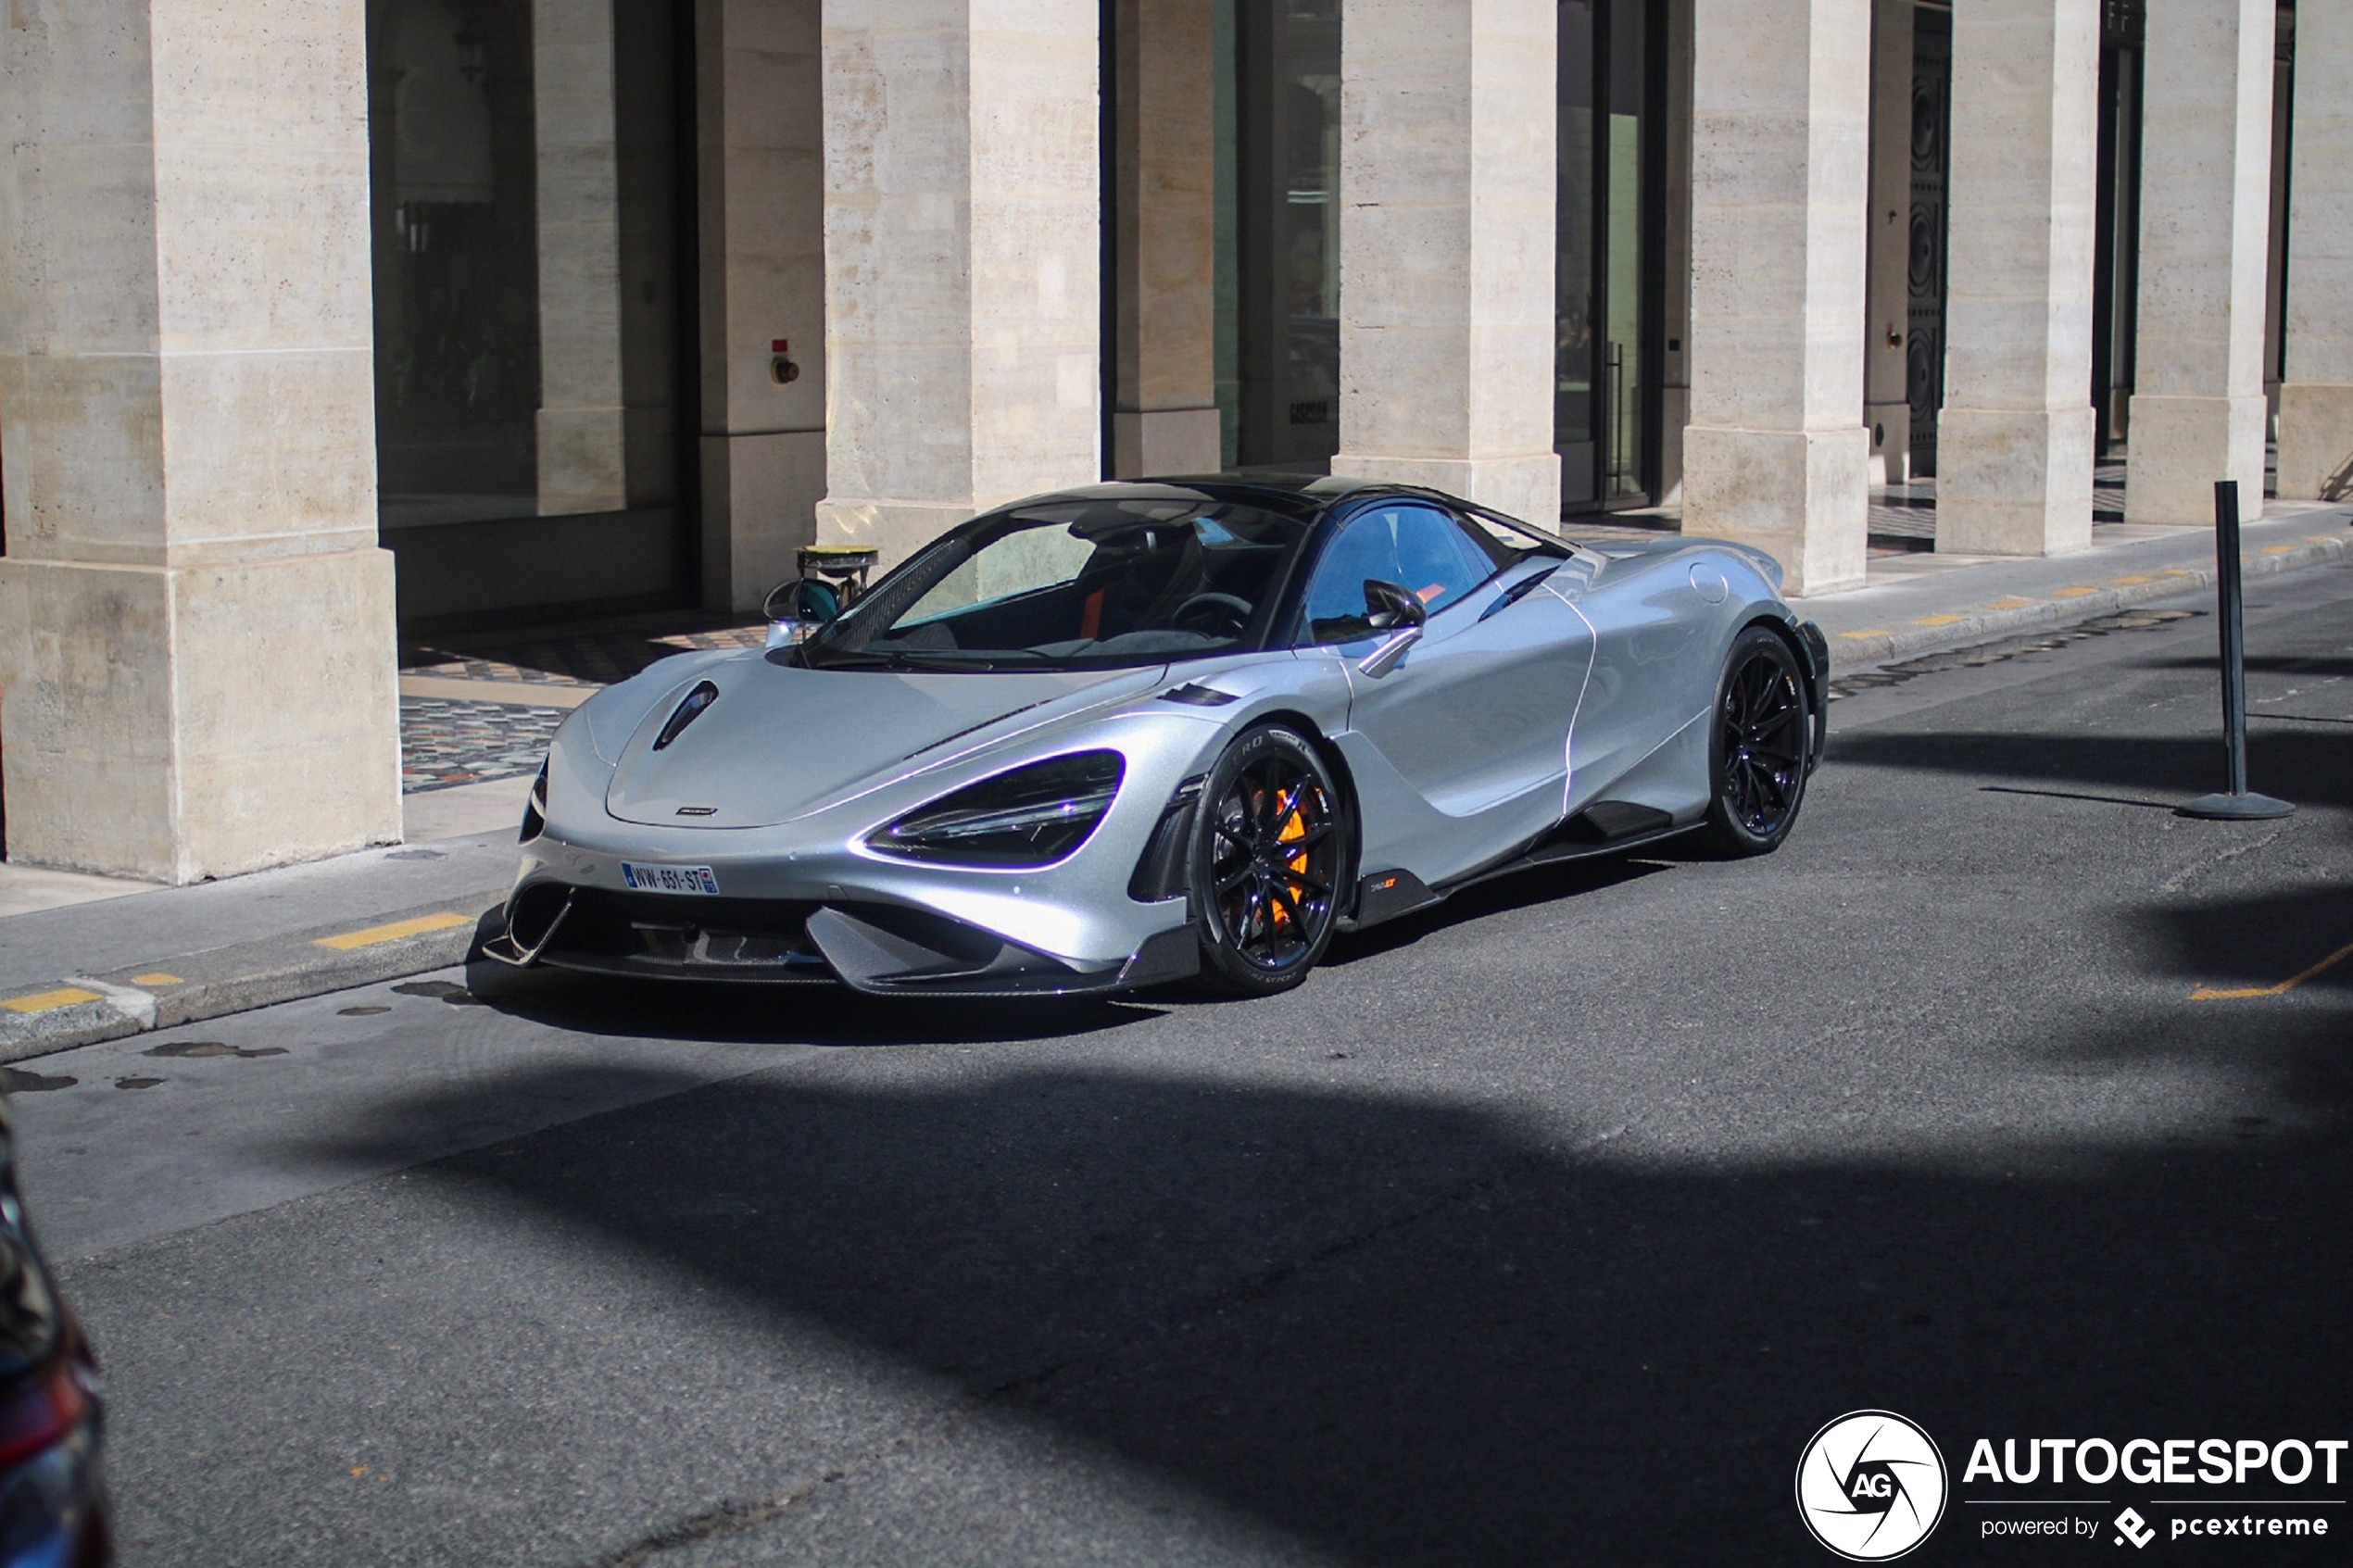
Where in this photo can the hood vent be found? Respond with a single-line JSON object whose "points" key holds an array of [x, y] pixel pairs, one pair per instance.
{"points": [[702, 697]]}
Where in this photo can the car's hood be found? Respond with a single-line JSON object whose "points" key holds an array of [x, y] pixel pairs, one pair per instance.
{"points": [[781, 740]]}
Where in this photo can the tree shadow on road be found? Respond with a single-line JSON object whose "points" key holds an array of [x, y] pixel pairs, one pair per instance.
{"points": [[1407, 1331]]}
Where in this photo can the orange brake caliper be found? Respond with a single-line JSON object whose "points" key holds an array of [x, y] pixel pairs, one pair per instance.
{"points": [[1294, 828]]}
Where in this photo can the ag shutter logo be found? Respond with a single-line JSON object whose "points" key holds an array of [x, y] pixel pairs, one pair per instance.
{"points": [[1870, 1486]]}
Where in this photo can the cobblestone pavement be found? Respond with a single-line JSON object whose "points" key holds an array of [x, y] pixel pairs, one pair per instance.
{"points": [[445, 742], [591, 657]]}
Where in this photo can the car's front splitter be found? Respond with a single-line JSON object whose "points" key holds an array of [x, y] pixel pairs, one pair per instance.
{"points": [[878, 948]]}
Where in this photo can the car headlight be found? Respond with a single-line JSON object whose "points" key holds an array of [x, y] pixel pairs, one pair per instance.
{"points": [[1032, 816]]}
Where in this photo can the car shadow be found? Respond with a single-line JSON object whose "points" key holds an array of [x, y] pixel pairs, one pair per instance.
{"points": [[1515, 890], [1406, 1331], [798, 1014]]}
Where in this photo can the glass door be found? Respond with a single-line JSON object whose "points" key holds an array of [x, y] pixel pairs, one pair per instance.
{"points": [[534, 301], [1608, 218], [1286, 240]]}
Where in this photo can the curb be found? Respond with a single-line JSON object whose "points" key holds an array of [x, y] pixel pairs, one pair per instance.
{"points": [[81, 1009], [1851, 651]]}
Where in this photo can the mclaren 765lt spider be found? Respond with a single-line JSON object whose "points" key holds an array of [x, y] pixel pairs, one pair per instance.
{"points": [[1135, 732]]}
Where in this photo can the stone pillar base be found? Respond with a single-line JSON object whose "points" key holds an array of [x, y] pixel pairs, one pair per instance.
{"points": [[759, 496], [2316, 441], [2180, 446], [1802, 497], [2014, 482], [1165, 441], [896, 527], [1891, 427], [182, 723], [1674, 415], [1528, 488]]}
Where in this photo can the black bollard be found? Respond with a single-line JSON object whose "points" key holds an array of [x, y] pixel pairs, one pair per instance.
{"points": [[2237, 805]]}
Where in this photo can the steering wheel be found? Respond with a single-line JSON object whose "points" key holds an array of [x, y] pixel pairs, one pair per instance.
{"points": [[1217, 613]]}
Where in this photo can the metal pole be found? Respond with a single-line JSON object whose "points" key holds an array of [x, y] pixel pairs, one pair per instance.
{"points": [[2237, 805], [2228, 598]]}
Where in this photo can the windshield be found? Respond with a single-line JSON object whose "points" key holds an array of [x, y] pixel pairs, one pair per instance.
{"points": [[1101, 583]]}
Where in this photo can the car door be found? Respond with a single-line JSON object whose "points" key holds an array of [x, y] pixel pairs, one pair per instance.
{"points": [[1641, 731], [1473, 722]]}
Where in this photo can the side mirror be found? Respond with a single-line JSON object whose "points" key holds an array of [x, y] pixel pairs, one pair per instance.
{"points": [[1391, 606], [1398, 610], [797, 607]]}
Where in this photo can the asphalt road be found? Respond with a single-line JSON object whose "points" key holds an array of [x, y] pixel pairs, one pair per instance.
{"points": [[1545, 1228]]}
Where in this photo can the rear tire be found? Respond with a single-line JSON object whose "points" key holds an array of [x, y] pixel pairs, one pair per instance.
{"points": [[1762, 731], [1270, 849]]}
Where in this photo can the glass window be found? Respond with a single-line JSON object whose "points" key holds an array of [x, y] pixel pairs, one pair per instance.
{"points": [[1603, 399], [1286, 227], [523, 159], [1124, 582], [1420, 548]]}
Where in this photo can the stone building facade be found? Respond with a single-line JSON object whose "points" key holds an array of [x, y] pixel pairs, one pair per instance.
{"points": [[321, 318]]}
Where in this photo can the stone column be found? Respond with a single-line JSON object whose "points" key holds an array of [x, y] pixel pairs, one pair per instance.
{"points": [[1781, 151], [1446, 307], [2316, 401], [197, 671], [2014, 443], [2199, 411], [1164, 415], [759, 99], [1887, 394], [963, 261], [579, 425]]}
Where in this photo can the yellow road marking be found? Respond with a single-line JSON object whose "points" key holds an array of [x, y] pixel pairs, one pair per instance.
{"points": [[2176, 571], [2074, 592], [41, 1001], [2277, 549], [394, 931], [1938, 620], [2009, 603], [2128, 581], [2207, 994], [1868, 632], [158, 978]]}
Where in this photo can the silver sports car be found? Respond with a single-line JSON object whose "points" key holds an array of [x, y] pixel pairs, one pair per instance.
{"points": [[1135, 732]]}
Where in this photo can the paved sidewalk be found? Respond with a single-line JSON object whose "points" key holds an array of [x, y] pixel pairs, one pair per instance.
{"points": [[1925, 602], [108, 965]]}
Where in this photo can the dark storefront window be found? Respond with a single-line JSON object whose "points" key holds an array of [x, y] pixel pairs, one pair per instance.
{"points": [[1285, 178], [1924, 265], [1607, 216], [530, 297]]}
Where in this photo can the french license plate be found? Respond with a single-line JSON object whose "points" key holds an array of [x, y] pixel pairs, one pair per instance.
{"points": [[670, 879]]}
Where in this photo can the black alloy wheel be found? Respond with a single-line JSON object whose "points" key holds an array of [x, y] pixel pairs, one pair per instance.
{"points": [[1269, 857], [1758, 753]]}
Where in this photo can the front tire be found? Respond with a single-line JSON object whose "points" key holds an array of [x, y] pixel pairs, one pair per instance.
{"points": [[1270, 847], [1757, 750]]}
